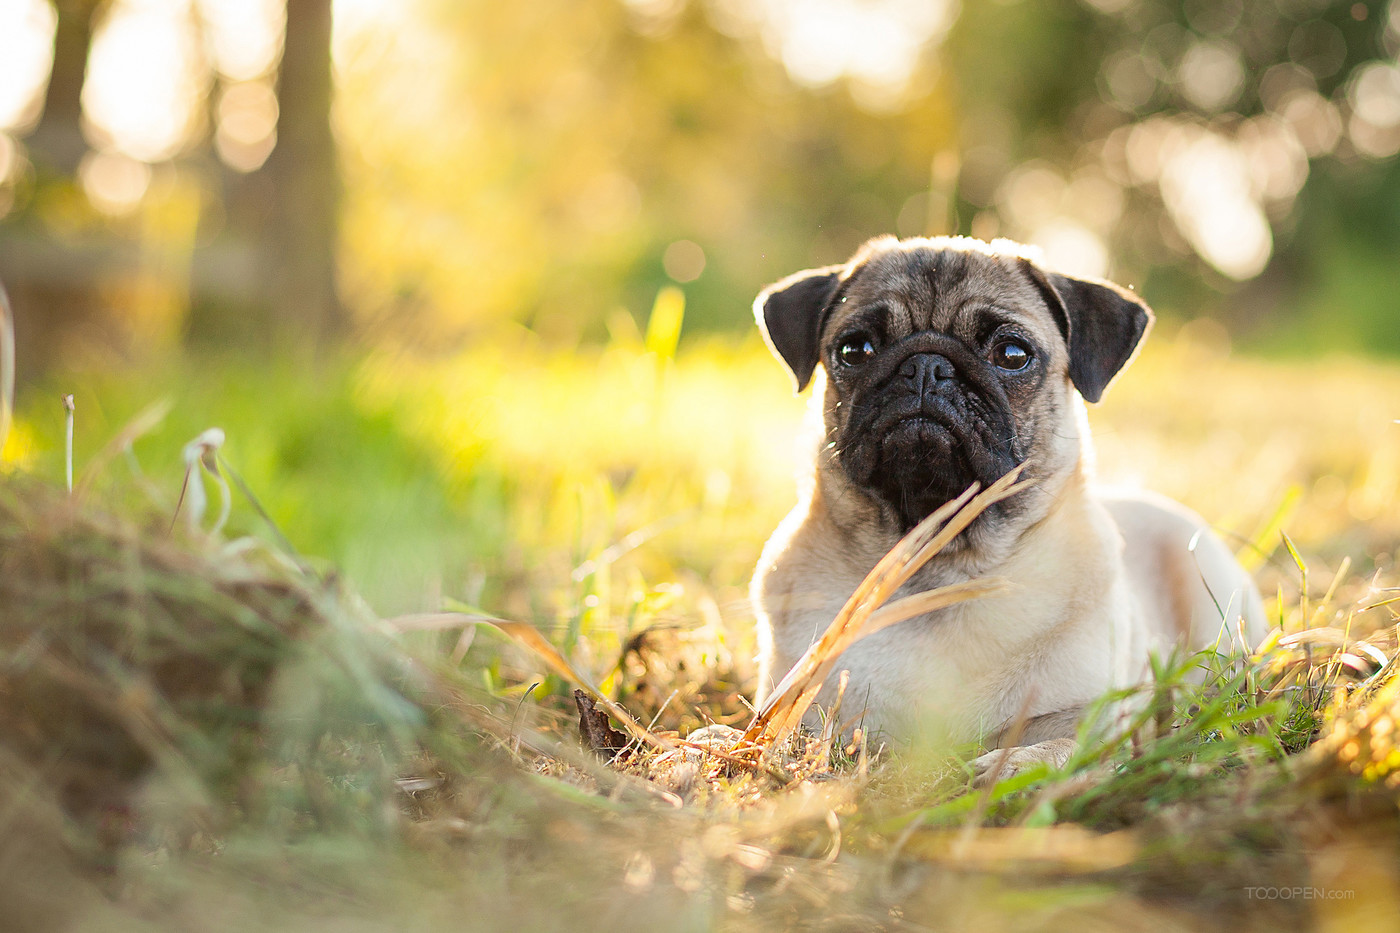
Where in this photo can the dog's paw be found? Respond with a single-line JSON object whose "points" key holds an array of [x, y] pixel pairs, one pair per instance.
{"points": [[1002, 763]]}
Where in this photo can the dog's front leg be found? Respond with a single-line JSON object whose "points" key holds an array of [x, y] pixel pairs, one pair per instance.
{"points": [[1047, 739], [1002, 763]]}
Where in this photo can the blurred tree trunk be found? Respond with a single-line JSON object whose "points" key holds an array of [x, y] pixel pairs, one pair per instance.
{"points": [[305, 211], [57, 144], [270, 279], [53, 290]]}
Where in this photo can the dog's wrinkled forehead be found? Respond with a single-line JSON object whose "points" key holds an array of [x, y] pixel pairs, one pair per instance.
{"points": [[953, 285], [922, 287]]}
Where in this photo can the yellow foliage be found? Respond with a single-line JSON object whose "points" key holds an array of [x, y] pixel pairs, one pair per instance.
{"points": [[19, 448]]}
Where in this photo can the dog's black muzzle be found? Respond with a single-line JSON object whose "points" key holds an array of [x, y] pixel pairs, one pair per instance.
{"points": [[928, 418]]}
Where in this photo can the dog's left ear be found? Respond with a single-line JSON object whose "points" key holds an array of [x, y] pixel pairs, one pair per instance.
{"points": [[791, 313], [1103, 325]]}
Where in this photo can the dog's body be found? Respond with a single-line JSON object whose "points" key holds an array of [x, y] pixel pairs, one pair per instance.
{"points": [[951, 361]]}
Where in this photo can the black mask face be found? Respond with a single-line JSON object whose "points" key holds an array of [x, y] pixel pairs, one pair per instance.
{"points": [[928, 416]]}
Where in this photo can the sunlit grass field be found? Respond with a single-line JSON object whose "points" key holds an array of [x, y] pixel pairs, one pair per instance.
{"points": [[616, 498], [492, 477]]}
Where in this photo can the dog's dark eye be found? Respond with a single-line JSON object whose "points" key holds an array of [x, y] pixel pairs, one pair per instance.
{"points": [[1010, 355], [855, 350]]}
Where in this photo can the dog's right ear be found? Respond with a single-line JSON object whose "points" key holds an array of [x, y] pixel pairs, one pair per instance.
{"points": [[791, 314]]}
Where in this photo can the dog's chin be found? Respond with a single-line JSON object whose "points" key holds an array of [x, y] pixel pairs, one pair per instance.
{"points": [[920, 467]]}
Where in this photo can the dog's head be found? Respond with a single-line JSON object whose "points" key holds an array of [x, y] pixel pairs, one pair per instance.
{"points": [[948, 361]]}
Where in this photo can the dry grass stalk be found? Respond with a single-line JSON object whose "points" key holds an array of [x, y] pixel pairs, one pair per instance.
{"points": [[528, 636], [145, 421], [1322, 659], [69, 410], [202, 453], [1360, 747], [863, 613]]}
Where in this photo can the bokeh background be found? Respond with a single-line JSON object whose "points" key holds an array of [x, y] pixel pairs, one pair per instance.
{"points": [[468, 284], [467, 287]]}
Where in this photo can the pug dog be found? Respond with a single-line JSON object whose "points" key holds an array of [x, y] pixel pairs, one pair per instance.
{"points": [[944, 362]]}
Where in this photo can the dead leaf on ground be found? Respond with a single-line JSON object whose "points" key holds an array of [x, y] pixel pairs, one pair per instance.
{"points": [[596, 730]]}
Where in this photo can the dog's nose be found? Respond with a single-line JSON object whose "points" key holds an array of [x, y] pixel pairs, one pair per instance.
{"points": [[923, 372]]}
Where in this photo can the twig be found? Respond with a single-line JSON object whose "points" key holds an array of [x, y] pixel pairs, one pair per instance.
{"points": [[529, 637], [734, 759]]}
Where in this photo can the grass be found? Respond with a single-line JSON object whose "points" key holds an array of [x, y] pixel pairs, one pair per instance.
{"points": [[208, 732]]}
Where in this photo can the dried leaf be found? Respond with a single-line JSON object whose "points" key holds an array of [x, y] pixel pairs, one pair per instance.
{"points": [[595, 729]]}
